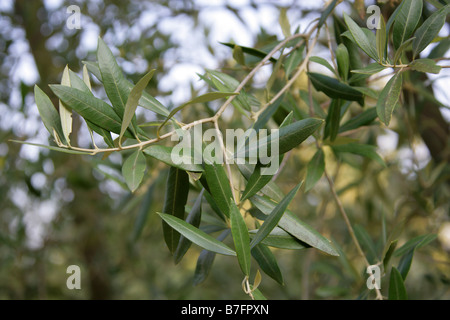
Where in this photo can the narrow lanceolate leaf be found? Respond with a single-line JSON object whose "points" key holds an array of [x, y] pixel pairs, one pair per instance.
{"points": [[324, 63], [49, 115], [361, 37], [381, 39], [85, 86], [146, 101], [425, 65], [294, 226], [397, 290], [335, 89], [288, 137], [193, 218], [133, 169], [293, 60], [326, 13], [133, 101], [255, 183], [210, 96], [205, 261], [278, 238], [267, 262], [315, 169], [65, 113], [388, 252], [112, 77], [241, 238], [364, 150], [274, 217], [219, 185], [404, 47], [86, 79], [405, 263], [416, 242], [185, 161], [177, 190], [343, 61], [333, 119], [406, 21], [428, 30], [196, 235], [251, 51], [284, 23], [388, 98], [363, 119], [90, 108]]}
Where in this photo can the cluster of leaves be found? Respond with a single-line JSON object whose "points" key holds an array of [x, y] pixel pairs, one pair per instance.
{"points": [[257, 218]]}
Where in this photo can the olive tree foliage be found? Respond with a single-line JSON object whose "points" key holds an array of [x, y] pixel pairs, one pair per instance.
{"points": [[337, 206]]}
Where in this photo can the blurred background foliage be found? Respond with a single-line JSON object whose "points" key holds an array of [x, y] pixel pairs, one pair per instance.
{"points": [[58, 210]]}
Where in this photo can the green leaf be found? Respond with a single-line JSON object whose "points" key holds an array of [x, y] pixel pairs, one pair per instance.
{"points": [[364, 150], [440, 49], [397, 290], [363, 119], [85, 86], [416, 242], [210, 96], [219, 185], [51, 147], [333, 119], [146, 101], [324, 63], [133, 100], [205, 261], [49, 115], [328, 10], [335, 89], [288, 137], [284, 23], [90, 108], [405, 263], [271, 189], [425, 65], [361, 37], [343, 61], [193, 218], [274, 217], [177, 190], [388, 98], [255, 183], [278, 238], [406, 21], [428, 30], [366, 242], [238, 55], [133, 169], [387, 256], [164, 154], [65, 113], [241, 238], [294, 226], [315, 169], [267, 262], [112, 77], [196, 235], [404, 47], [293, 60], [251, 51], [381, 39]]}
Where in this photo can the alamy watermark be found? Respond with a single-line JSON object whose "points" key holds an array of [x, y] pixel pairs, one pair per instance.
{"points": [[373, 22], [74, 20], [374, 280], [74, 280], [250, 146]]}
